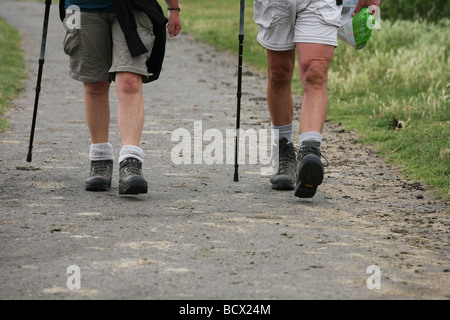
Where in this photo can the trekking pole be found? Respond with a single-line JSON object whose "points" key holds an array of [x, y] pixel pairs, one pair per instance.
{"points": [[239, 93], [39, 77]]}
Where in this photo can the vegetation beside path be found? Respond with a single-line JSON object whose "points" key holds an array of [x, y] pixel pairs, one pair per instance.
{"points": [[12, 67]]}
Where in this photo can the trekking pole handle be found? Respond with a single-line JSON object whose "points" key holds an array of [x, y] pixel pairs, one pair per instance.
{"points": [[241, 20]]}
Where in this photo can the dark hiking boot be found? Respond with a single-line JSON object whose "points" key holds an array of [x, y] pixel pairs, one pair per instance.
{"points": [[131, 180], [100, 176], [284, 179], [309, 173]]}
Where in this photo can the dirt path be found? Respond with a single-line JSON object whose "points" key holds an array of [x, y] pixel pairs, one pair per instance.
{"points": [[197, 234]]}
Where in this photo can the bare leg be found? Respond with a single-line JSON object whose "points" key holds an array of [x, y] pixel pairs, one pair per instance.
{"points": [[131, 121], [131, 107], [314, 60], [281, 66], [96, 107]]}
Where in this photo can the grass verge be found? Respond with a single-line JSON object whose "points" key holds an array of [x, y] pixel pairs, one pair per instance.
{"points": [[12, 67], [394, 92]]}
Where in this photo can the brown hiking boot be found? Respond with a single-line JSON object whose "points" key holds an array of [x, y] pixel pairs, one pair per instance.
{"points": [[131, 180], [309, 173], [284, 179], [100, 175]]}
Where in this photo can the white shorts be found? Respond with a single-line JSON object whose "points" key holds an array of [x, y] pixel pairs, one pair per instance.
{"points": [[284, 23]]}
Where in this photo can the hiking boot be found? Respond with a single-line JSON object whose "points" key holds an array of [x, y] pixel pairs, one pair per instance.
{"points": [[100, 176], [309, 173], [130, 177], [284, 179]]}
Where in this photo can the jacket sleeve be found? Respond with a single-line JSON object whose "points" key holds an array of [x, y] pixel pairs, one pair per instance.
{"points": [[125, 16], [155, 13]]}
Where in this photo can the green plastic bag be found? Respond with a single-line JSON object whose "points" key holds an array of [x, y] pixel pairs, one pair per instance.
{"points": [[361, 27], [356, 31]]}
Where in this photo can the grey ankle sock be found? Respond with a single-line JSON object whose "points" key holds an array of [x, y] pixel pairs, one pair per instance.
{"points": [[130, 151], [279, 132], [101, 151], [310, 136]]}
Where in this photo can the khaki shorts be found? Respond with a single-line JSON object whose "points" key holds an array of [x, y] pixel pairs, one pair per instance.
{"points": [[283, 23], [98, 49]]}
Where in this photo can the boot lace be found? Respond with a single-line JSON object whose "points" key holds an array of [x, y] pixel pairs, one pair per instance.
{"points": [[307, 149], [132, 167], [287, 156], [100, 168]]}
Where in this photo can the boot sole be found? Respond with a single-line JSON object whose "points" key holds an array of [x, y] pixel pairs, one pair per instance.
{"points": [[134, 185], [283, 183], [310, 177], [98, 185]]}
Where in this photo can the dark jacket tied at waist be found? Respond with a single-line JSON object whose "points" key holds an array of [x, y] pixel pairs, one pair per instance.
{"points": [[124, 12]]}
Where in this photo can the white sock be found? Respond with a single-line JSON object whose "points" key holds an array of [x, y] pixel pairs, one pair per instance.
{"points": [[310, 136], [130, 151], [279, 132], [101, 151]]}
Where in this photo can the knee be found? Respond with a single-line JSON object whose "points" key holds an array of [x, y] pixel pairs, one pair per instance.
{"points": [[280, 76], [129, 82], [314, 74], [96, 88]]}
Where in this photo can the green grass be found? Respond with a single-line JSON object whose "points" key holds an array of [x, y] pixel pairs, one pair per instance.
{"points": [[11, 68], [402, 74]]}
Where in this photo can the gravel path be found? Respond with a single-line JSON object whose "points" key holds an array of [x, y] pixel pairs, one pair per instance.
{"points": [[198, 234]]}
